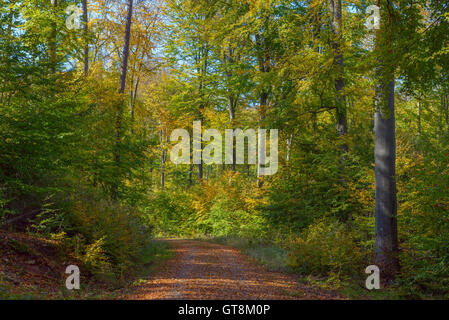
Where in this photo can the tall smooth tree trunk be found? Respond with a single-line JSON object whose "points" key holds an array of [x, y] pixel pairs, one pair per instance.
{"points": [[440, 117], [386, 241], [7, 54], [191, 163], [53, 40], [163, 158], [289, 147], [190, 173], [122, 84], [340, 100], [447, 111], [386, 233], [86, 31], [261, 160], [200, 168], [232, 105], [202, 61], [419, 118], [264, 61], [316, 27], [125, 53], [232, 100], [133, 98]]}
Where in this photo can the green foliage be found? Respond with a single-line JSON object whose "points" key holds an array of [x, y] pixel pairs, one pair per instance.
{"points": [[222, 220], [56, 151], [230, 64], [424, 219], [105, 236], [169, 212], [327, 248]]}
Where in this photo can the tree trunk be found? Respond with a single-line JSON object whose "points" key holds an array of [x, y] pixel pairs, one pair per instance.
{"points": [[386, 233], [163, 158], [446, 111], [86, 31], [53, 40], [232, 119], [200, 168], [7, 55], [232, 99], [386, 241], [133, 98], [264, 61], [125, 52], [120, 104], [190, 173], [191, 164], [261, 160], [340, 101], [419, 119], [289, 147], [202, 61]]}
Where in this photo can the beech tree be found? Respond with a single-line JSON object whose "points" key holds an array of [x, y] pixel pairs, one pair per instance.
{"points": [[86, 33], [340, 99], [122, 84], [386, 241]]}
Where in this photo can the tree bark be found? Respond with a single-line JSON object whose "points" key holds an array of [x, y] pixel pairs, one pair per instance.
{"points": [[232, 103], [340, 100], [386, 233], [264, 61], [163, 158], [53, 40], [7, 55], [386, 242], [86, 31], [446, 111], [232, 100], [202, 61], [122, 84], [419, 118], [263, 104], [125, 52]]}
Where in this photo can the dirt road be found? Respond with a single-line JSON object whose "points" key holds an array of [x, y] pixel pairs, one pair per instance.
{"points": [[203, 270]]}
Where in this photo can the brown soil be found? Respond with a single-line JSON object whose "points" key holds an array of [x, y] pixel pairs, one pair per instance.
{"points": [[203, 270], [29, 264]]}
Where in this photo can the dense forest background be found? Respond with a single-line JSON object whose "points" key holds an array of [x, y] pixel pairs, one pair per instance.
{"points": [[86, 116]]}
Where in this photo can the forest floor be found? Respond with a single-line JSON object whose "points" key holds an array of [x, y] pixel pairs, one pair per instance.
{"points": [[204, 270], [30, 268]]}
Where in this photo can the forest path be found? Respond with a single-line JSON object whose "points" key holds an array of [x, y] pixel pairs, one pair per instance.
{"points": [[204, 270]]}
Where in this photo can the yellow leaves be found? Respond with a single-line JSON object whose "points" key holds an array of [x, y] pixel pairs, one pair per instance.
{"points": [[95, 256], [259, 4], [326, 247], [204, 270], [216, 120]]}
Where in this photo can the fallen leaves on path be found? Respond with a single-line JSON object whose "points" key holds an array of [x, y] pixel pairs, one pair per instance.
{"points": [[203, 270]]}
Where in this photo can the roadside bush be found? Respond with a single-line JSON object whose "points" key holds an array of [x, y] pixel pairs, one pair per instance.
{"points": [[110, 230], [105, 236], [170, 213], [225, 220], [326, 248]]}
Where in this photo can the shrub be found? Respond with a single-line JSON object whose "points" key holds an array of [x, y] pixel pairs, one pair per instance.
{"points": [[423, 216], [326, 248], [170, 213], [105, 236], [224, 220]]}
